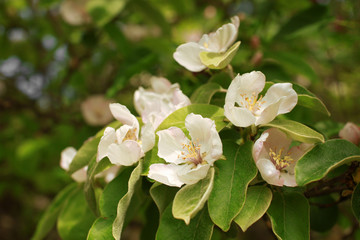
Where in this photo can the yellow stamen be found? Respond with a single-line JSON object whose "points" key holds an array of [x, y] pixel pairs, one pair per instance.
{"points": [[252, 103], [279, 159], [191, 153], [206, 45], [130, 135]]}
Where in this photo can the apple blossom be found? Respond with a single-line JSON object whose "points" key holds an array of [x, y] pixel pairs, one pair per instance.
{"points": [[274, 159], [67, 156], [123, 146], [243, 107], [188, 54], [350, 132], [188, 160]]}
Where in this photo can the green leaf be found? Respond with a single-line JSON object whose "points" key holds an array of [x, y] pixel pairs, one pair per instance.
{"points": [[75, 218], [85, 153], [289, 215], [216, 60], [151, 157], [162, 195], [177, 118], [134, 182], [48, 219], [101, 229], [320, 160], [296, 130], [190, 199], [103, 11], [205, 92], [303, 22], [201, 227], [355, 202], [230, 183], [323, 208], [114, 124], [258, 199], [113, 192], [222, 78]]}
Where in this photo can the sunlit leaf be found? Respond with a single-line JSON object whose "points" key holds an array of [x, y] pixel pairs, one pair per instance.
{"points": [[324, 157], [205, 92], [101, 229], [162, 195]]}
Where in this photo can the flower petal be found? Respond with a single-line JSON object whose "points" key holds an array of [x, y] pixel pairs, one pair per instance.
{"points": [[80, 175], [259, 151], [190, 175], [67, 155], [289, 179], [350, 132], [160, 85], [268, 114], [240, 117], [284, 93], [170, 144], [126, 153], [187, 55], [147, 137], [166, 174], [122, 114], [108, 138], [277, 140], [269, 172]]}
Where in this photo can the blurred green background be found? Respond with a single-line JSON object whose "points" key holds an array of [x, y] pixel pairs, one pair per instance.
{"points": [[55, 56]]}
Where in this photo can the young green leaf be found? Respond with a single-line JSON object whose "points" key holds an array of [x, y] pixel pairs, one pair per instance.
{"points": [[258, 199], [355, 202], [200, 227], [230, 183], [296, 130], [48, 219], [320, 160], [101, 229], [216, 60], [162, 195], [151, 157], [134, 182], [289, 215], [205, 92], [190, 199]]}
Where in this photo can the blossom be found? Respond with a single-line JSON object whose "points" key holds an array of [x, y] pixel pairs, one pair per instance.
{"points": [[188, 160], [156, 103], [67, 156], [274, 159], [350, 132], [243, 107], [123, 146], [188, 54], [95, 110]]}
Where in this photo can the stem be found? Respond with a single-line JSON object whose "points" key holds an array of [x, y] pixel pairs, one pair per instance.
{"points": [[231, 71]]}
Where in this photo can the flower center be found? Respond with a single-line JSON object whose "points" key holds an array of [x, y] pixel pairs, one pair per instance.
{"points": [[206, 45], [191, 153], [280, 159], [130, 135], [252, 102]]}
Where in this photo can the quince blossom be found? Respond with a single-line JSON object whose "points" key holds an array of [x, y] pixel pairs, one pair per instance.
{"points": [[123, 146], [350, 132], [67, 156], [274, 159], [243, 107], [188, 54], [188, 160]]}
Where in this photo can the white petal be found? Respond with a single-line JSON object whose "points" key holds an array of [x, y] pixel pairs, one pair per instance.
{"points": [[80, 175], [350, 132], [179, 99], [268, 114], [166, 174], [240, 117], [122, 114], [289, 179], [277, 140], [284, 93], [190, 175], [126, 153], [147, 137], [259, 150], [170, 144], [160, 84], [269, 172], [108, 138], [187, 55], [236, 21], [248, 83], [203, 132], [67, 155], [108, 174], [222, 38]]}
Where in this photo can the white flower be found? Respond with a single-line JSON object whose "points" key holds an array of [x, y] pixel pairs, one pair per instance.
{"points": [[350, 132], [243, 107], [123, 146], [187, 54], [67, 156], [189, 160], [156, 103], [274, 159]]}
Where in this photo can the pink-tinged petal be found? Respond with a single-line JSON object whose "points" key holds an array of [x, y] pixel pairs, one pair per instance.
{"points": [[350, 132], [190, 175], [126, 153], [240, 117], [67, 155], [297, 152], [269, 172], [160, 84], [259, 151], [166, 174], [80, 175], [147, 137], [122, 114], [289, 179], [283, 93], [203, 132], [106, 140], [277, 140], [180, 99], [187, 55], [171, 143], [248, 84], [268, 114]]}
